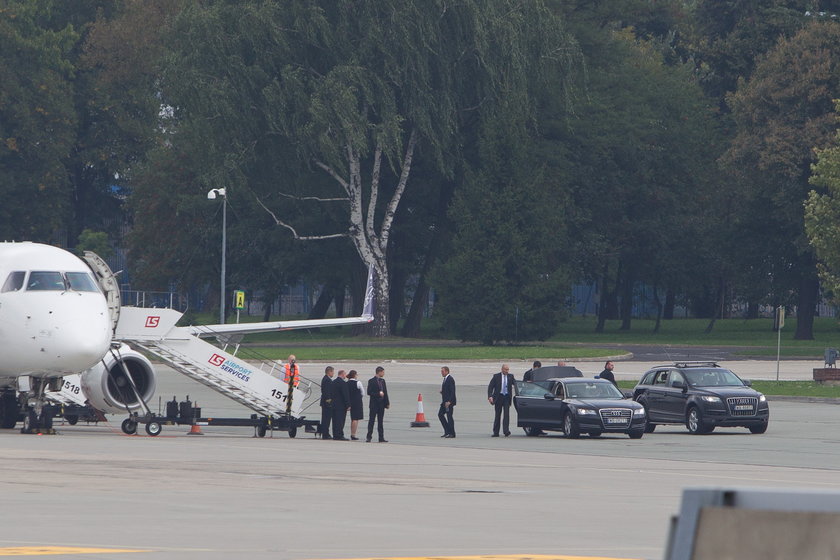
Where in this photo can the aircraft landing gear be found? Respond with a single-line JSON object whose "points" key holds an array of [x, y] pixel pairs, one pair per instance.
{"points": [[34, 423], [9, 410]]}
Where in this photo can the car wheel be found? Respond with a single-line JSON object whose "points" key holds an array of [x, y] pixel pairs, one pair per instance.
{"points": [[760, 429], [570, 426], [636, 434], [694, 421], [649, 428], [531, 431], [595, 434]]}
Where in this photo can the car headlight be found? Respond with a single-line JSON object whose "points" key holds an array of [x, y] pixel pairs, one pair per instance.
{"points": [[761, 398], [585, 411], [639, 412], [710, 398]]}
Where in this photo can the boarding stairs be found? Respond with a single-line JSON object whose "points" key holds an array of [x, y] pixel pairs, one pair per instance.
{"points": [[259, 387]]}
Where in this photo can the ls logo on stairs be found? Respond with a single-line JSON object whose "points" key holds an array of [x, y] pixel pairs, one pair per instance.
{"points": [[217, 360]]}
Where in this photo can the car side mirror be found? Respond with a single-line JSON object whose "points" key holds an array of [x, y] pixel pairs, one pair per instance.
{"points": [[678, 385], [548, 397], [747, 382]]}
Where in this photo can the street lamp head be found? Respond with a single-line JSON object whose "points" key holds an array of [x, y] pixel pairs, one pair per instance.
{"points": [[211, 195]]}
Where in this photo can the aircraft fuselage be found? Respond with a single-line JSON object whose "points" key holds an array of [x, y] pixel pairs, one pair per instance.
{"points": [[54, 319]]}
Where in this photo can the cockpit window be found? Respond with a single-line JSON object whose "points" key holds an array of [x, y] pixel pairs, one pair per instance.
{"points": [[81, 282], [45, 280], [14, 281]]}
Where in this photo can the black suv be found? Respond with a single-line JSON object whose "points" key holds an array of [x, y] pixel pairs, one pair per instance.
{"points": [[702, 395]]}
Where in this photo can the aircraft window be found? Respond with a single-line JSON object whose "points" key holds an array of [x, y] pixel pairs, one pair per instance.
{"points": [[14, 282], [43, 280], [81, 282]]}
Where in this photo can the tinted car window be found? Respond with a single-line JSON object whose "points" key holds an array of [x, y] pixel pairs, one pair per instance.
{"points": [[535, 389], [713, 378], [593, 391]]}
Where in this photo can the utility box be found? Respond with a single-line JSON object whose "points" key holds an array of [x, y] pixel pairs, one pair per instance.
{"points": [[831, 355]]}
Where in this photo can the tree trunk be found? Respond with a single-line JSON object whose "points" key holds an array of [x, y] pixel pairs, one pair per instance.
{"points": [[658, 303], [626, 301], [806, 305], [381, 314], [322, 304], [411, 327], [721, 294], [670, 303], [397, 297]]}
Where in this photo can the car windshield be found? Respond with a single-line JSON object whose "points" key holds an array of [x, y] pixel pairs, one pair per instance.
{"points": [[590, 390], [712, 378]]}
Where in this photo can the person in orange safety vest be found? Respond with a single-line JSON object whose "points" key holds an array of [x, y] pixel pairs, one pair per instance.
{"points": [[291, 370]]}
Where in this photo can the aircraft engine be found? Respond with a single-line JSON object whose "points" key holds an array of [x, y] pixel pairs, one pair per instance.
{"points": [[107, 388]]}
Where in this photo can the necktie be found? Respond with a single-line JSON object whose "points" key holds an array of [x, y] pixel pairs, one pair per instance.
{"points": [[379, 382], [504, 384]]}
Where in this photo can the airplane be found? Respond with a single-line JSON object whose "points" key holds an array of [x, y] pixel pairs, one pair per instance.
{"points": [[58, 317]]}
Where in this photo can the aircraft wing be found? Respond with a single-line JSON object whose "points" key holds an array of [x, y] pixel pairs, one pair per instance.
{"points": [[248, 328], [269, 326]]}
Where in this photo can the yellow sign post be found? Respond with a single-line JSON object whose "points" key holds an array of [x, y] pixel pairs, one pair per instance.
{"points": [[238, 302]]}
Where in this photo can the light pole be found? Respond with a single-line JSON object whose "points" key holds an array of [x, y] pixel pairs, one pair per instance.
{"points": [[211, 195]]}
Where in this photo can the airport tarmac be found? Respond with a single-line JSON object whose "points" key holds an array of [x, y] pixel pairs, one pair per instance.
{"points": [[227, 494]]}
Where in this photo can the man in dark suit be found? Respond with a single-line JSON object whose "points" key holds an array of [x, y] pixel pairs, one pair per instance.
{"points": [[378, 393], [608, 373], [447, 403], [340, 404], [326, 402], [529, 375], [500, 395]]}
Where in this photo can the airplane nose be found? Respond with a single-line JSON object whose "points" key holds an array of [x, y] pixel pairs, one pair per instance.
{"points": [[82, 341]]}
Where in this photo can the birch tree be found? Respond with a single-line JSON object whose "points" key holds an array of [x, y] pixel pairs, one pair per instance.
{"points": [[357, 91]]}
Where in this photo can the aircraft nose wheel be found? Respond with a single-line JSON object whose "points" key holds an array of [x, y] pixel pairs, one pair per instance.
{"points": [[129, 426]]}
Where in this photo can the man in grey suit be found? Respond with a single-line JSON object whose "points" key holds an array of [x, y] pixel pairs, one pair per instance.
{"points": [[447, 403], [500, 395]]}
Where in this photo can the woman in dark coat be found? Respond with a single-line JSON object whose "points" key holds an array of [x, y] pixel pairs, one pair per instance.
{"points": [[357, 409]]}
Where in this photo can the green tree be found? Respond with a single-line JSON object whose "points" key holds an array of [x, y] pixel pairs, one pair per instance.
{"points": [[37, 122], [505, 279], [96, 241], [638, 154], [357, 90], [782, 113], [821, 210]]}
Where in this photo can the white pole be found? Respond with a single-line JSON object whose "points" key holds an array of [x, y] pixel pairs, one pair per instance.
{"points": [[224, 246], [778, 339]]}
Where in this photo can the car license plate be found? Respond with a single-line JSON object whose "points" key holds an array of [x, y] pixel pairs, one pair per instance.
{"points": [[743, 407], [616, 421]]}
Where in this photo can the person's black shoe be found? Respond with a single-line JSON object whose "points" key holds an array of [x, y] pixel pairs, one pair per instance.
{"points": [[507, 434], [444, 435], [449, 436], [354, 438], [340, 439], [495, 435], [367, 440], [326, 437], [383, 441]]}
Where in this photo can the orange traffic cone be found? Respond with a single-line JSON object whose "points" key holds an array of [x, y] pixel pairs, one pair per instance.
{"points": [[195, 430], [420, 418]]}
